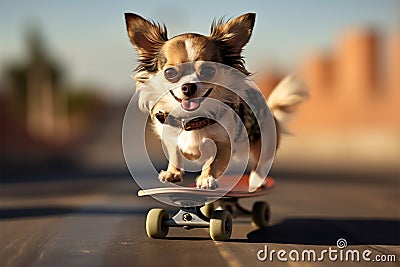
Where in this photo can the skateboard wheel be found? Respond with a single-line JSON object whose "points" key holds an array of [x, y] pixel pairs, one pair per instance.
{"points": [[260, 214], [221, 225], [155, 227]]}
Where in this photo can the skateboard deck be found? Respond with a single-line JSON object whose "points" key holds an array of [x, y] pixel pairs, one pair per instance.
{"points": [[193, 194]]}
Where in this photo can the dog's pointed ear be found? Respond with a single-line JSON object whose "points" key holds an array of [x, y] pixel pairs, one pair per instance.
{"points": [[235, 33], [146, 36]]}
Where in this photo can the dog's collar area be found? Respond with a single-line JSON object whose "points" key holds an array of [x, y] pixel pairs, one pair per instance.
{"points": [[187, 125]]}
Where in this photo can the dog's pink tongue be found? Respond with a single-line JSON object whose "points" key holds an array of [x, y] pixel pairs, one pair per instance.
{"points": [[190, 104]]}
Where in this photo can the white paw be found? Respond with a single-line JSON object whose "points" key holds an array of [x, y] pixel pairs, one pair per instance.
{"points": [[168, 176], [206, 182], [256, 181]]}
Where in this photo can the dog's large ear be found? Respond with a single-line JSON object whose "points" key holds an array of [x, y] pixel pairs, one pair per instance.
{"points": [[147, 37], [235, 33]]}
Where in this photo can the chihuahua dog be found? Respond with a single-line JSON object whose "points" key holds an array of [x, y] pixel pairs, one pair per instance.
{"points": [[187, 72]]}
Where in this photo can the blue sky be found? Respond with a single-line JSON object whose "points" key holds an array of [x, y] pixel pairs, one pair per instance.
{"points": [[89, 37]]}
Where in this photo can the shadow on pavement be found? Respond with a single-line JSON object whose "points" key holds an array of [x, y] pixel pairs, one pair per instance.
{"points": [[315, 231], [14, 213], [190, 238]]}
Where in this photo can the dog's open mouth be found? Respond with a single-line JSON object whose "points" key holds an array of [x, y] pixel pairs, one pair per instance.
{"points": [[191, 103]]}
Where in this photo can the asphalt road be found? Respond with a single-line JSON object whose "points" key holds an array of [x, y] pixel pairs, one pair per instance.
{"points": [[101, 222]]}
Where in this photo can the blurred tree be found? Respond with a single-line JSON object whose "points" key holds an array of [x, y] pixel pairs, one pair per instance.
{"points": [[35, 87]]}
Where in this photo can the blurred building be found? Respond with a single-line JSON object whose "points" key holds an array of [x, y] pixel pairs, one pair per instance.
{"points": [[35, 88], [351, 122], [357, 56], [395, 63], [351, 87], [46, 105]]}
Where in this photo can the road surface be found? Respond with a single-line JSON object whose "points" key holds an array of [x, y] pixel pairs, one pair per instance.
{"points": [[100, 222]]}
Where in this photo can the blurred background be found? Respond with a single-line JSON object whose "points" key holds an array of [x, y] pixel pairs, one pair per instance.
{"points": [[66, 81]]}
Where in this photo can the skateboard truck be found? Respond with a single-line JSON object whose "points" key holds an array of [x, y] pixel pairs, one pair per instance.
{"points": [[220, 223], [188, 218]]}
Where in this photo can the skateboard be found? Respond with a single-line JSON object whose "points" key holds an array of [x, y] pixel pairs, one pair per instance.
{"points": [[200, 209]]}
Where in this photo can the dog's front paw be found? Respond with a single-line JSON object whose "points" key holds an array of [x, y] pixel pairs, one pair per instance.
{"points": [[206, 182], [170, 176]]}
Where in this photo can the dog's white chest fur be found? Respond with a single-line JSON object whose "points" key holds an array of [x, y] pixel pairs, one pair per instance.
{"points": [[189, 143]]}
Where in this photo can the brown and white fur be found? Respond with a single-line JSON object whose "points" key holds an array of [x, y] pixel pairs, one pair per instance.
{"points": [[158, 54]]}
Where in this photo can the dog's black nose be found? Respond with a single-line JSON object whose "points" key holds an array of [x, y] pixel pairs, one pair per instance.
{"points": [[189, 89]]}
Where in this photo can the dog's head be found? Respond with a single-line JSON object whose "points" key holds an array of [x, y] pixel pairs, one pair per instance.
{"points": [[184, 60]]}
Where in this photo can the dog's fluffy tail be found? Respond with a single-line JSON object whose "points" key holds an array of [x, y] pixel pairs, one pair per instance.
{"points": [[284, 99]]}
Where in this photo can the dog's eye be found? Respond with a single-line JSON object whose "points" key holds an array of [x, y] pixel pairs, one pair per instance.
{"points": [[171, 74], [207, 73]]}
